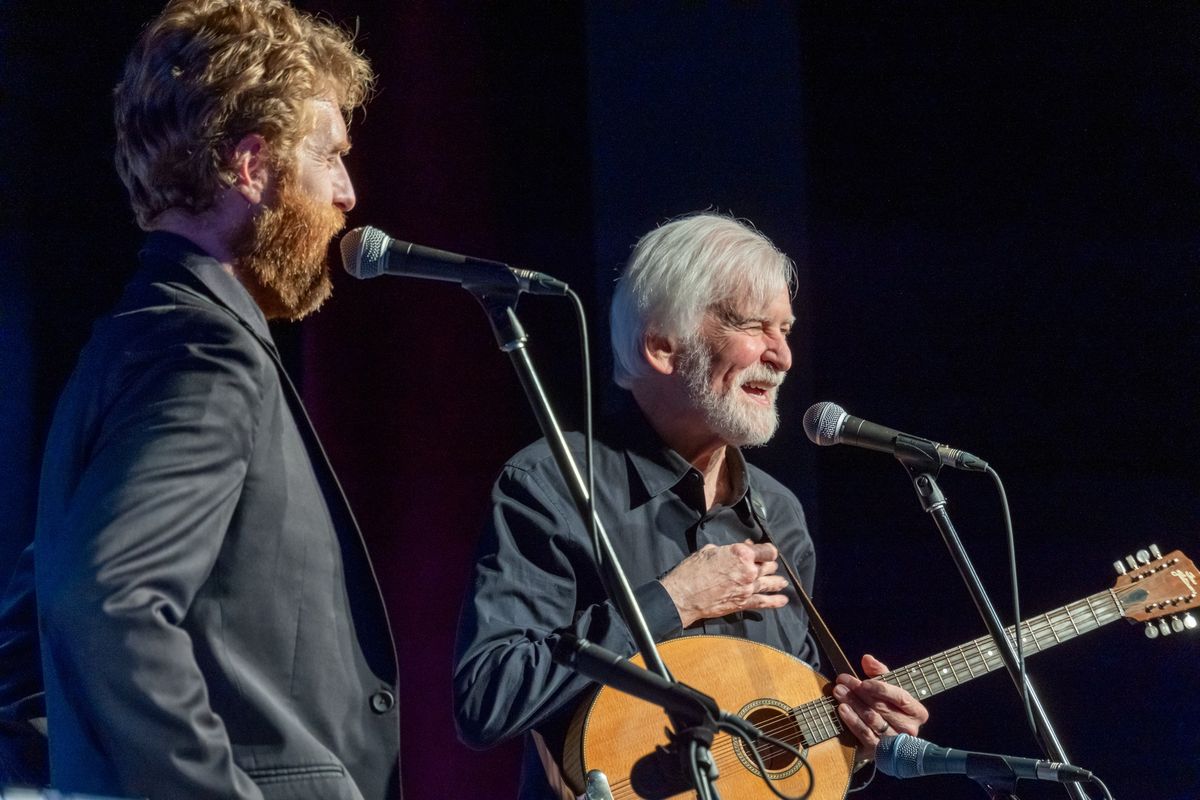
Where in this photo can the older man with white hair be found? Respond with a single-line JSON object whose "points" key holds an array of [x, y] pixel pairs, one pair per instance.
{"points": [[700, 326]]}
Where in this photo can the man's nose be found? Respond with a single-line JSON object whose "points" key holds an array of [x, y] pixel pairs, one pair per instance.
{"points": [[778, 354], [343, 189]]}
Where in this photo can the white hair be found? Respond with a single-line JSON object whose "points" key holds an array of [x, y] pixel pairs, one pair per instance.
{"points": [[679, 271]]}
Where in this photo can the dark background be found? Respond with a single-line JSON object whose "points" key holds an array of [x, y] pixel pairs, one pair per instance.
{"points": [[994, 213]]}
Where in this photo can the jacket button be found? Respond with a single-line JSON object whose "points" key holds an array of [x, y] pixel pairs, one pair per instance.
{"points": [[382, 701]]}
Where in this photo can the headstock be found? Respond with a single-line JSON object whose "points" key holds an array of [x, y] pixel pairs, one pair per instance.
{"points": [[1150, 590]]}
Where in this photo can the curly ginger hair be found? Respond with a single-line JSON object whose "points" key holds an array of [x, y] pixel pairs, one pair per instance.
{"points": [[204, 74]]}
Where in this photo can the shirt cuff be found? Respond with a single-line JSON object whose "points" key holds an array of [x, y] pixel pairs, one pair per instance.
{"points": [[659, 610]]}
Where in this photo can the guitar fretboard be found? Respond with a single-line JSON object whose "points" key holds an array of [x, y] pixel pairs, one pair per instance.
{"points": [[818, 720], [957, 665]]}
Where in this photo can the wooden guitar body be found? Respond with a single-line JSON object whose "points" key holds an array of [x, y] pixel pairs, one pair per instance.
{"points": [[760, 683], [785, 698]]}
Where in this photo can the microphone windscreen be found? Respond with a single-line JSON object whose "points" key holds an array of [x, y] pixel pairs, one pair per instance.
{"points": [[900, 755], [363, 252], [822, 423]]}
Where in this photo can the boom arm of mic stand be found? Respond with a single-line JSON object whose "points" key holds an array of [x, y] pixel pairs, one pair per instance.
{"points": [[924, 477], [511, 337]]}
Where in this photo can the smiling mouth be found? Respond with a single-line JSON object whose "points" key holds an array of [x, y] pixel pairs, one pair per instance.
{"points": [[759, 392]]}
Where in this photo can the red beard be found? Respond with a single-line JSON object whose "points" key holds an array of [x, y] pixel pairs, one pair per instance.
{"points": [[283, 254]]}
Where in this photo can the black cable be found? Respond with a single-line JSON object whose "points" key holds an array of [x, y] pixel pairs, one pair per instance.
{"points": [[1016, 598], [867, 782], [585, 358], [752, 749], [1103, 788]]}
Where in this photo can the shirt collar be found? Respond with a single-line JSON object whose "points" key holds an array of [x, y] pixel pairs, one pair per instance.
{"points": [[225, 288], [659, 468]]}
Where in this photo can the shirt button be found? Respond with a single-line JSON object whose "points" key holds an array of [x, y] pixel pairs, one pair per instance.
{"points": [[382, 701]]}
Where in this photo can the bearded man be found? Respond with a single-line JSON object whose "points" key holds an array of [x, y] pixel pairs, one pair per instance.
{"points": [[211, 627], [700, 325]]}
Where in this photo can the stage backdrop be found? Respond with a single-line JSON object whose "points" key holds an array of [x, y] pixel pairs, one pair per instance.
{"points": [[995, 219]]}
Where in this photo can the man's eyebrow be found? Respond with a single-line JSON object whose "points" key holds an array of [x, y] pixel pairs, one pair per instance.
{"points": [[732, 316]]}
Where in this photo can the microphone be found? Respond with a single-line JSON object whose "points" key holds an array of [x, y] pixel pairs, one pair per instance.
{"points": [[905, 756], [828, 424], [606, 667], [369, 252]]}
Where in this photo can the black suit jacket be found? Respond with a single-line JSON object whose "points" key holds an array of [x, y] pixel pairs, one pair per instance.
{"points": [[22, 701], [211, 627]]}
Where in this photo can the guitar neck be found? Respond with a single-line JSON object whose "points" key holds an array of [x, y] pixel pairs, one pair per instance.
{"points": [[956, 666]]}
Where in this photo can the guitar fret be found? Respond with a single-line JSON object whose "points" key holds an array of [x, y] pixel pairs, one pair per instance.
{"points": [[922, 692], [930, 669], [957, 665], [1029, 640], [1071, 619], [1091, 606], [1042, 632], [954, 672], [982, 656], [967, 662], [1039, 627], [806, 723], [1054, 627], [1108, 603], [940, 671], [822, 724], [817, 721], [835, 724]]}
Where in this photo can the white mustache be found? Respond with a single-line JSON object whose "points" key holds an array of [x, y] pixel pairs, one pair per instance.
{"points": [[762, 375]]}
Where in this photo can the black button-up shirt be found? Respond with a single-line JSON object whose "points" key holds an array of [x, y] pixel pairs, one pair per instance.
{"points": [[535, 577]]}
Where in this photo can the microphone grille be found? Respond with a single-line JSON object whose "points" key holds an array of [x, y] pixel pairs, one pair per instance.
{"points": [[823, 422], [364, 252], [900, 756]]}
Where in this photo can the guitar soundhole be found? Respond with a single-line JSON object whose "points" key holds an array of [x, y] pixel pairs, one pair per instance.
{"points": [[774, 718]]}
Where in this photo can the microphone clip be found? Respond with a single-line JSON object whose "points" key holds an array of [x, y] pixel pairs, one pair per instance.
{"points": [[918, 455]]}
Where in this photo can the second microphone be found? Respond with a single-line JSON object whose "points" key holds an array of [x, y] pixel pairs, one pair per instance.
{"points": [[369, 252]]}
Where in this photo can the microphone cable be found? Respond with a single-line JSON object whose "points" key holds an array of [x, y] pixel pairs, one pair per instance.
{"points": [[586, 361], [1016, 597]]}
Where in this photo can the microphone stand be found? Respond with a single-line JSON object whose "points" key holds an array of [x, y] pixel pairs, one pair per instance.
{"points": [[499, 303], [921, 460]]}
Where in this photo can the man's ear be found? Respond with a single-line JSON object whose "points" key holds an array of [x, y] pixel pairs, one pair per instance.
{"points": [[250, 163], [660, 352]]}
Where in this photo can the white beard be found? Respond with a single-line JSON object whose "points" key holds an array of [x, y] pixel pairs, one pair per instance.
{"points": [[738, 420]]}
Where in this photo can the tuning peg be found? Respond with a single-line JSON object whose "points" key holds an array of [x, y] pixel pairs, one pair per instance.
{"points": [[1129, 560], [1176, 624], [1164, 628], [1143, 556], [1189, 621], [1151, 631], [1154, 551], [1119, 566]]}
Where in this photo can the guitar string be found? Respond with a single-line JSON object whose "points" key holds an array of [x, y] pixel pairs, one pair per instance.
{"points": [[724, 753], [723, 749], [1035, 627], [988, 661], [814, 719]]}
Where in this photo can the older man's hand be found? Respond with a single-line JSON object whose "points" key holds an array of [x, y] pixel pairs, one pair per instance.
{"points": [[871, 709], [716, 581]]}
